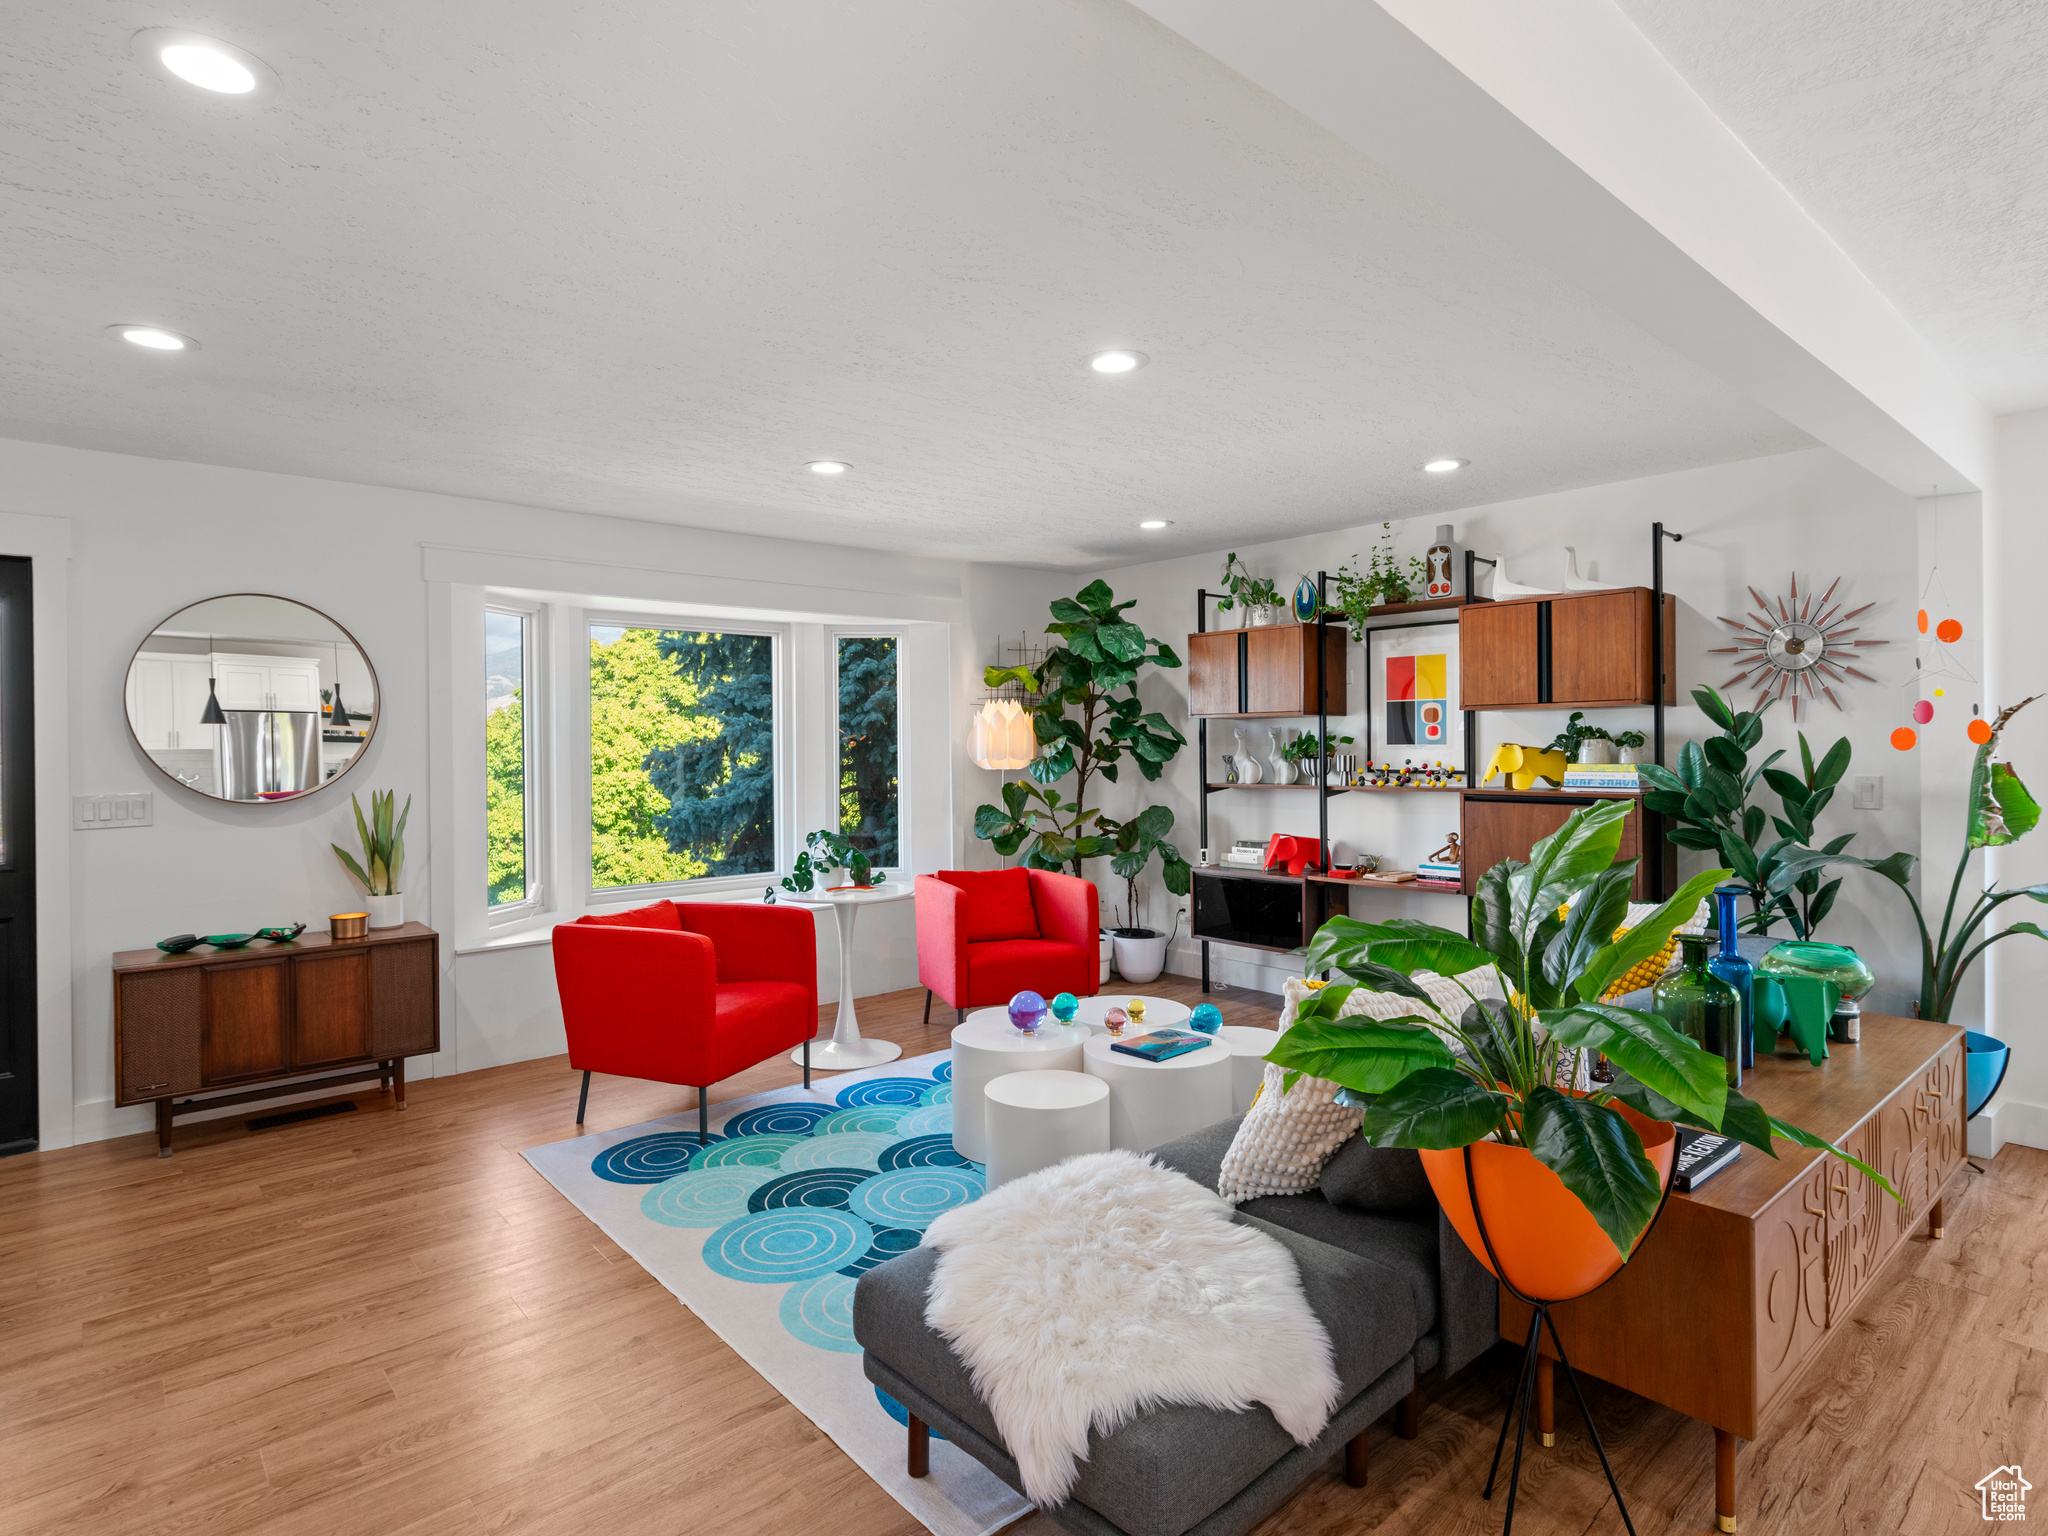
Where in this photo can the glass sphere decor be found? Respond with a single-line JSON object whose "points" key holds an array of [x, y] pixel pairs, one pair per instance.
{"points": [[1115, 1020], [1027, 1010], [1206, 1019], [1136, 1009], [1065, 1006]]}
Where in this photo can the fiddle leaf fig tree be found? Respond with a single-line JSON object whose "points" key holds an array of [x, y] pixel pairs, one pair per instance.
{"points": [[1089, 722]]}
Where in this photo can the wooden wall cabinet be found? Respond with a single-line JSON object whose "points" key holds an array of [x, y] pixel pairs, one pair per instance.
{"points": [[1578, 650], [234, 1019], [1506, 824], [1276, 669]]}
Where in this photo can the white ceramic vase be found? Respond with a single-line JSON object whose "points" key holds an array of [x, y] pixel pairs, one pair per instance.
{"points": [[1632, 754], [385, 911], [1260, 616], [1108, 954], [1139, 960]]}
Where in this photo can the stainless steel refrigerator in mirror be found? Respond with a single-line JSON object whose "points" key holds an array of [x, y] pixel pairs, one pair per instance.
{"points": [[269, 752]]}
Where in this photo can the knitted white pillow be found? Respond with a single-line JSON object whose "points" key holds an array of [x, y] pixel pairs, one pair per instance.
{"points": [[1286, 1137]]}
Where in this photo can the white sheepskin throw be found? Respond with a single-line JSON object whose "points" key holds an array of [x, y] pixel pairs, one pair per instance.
{"points": [[1088, 1292]]}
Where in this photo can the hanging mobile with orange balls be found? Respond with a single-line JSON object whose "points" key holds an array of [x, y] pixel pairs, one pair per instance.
{"points": [[1944, 634]]}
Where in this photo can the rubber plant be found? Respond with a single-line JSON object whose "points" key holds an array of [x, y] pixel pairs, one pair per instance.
{"points": [[1088, 721], [1494, 1075], [383, 844], [1707, 805], [2000, 810]]}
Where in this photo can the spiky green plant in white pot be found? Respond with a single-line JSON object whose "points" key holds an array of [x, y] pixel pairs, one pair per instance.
{"points": [[383, 863]]}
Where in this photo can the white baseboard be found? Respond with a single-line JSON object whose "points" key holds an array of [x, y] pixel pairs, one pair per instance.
{"points": [[1255, 970], [2008, 1120]]}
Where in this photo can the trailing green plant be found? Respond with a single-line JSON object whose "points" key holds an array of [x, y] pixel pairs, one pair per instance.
{"points": [[1630, 739], [1429, 1085], [824, 851], [383, 845], [1706, 803], [1088, 720], [1305, 747], [1567, 740], [2000, 810], [1384, 580], [1243, 589], [1133, 845]]}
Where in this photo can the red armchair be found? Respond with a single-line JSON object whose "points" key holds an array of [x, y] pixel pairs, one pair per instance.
{"points": [[985, 935], [686, 992]]}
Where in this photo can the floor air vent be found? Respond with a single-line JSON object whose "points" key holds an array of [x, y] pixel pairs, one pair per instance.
{"points": [[294, 1116]]}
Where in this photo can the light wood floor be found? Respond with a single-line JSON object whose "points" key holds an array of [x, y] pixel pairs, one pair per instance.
{"points": [[387, 1323]]}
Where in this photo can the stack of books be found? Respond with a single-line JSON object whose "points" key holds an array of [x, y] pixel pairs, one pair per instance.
{"points": [[1583, 778], [1430, 869]]}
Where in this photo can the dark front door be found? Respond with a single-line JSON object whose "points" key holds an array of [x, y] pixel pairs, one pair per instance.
{"points": [[17, 862]]}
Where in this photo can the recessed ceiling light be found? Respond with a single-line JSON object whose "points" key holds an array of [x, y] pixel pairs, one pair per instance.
{"points": [[827, 467], [206, 62], [1445, 466], [154, 337], [1157, 522], [1117, 362]]}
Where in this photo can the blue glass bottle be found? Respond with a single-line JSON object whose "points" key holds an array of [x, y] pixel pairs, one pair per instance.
{"points": [[1739, 974]]}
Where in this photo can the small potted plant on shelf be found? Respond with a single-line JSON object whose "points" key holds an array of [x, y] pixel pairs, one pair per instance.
{"points": [[1313, 765], [1628, 746], [825, 851], [383, 863], [1489, 1101], [1255, 595], [1583, 743], [1385, 580]]}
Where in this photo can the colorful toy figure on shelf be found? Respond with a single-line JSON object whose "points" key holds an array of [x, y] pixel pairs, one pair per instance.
{"points": [[1450, 853], [1065, 1006], [1524, 765], [1206, 1019], [1115, 1020], [1136, 1009], [1027, 1011]]}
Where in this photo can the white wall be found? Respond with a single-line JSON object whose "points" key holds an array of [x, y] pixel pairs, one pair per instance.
{"points": [[150, 536], [1756, 522]]}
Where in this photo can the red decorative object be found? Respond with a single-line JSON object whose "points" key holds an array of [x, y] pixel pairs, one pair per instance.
{"points": [[1293, 855], [1060, 951], [686, 992]]}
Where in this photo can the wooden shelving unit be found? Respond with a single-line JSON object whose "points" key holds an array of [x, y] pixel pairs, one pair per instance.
{"points": [[1356, 789]]}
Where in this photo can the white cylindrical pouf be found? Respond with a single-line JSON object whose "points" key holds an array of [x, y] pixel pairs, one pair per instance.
{"points": [[1035, 1119], [1154, 1102], [989, 1046], [1160, 1012], [1248, 1048]]}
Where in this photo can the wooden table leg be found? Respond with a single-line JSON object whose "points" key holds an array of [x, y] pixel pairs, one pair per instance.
{"points": [[1934, 1220], [1354, 1460], [920, 1458], [1546, 1403], [163, 1127], [1409, 1421], [398, 1079], [1724, 1479]]}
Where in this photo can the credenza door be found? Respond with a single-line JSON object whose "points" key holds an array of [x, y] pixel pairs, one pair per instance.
{"points": [[245, 1030], [332, 1019]]}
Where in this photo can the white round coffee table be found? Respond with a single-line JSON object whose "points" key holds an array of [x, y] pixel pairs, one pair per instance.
{"points": [[1037, 1118], [989, 1046], [846, 1049], [1160, 1012], [1248, 1048], [1152, 1102]]}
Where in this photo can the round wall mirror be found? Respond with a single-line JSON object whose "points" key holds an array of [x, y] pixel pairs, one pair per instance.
{"points": [[251, 698]]}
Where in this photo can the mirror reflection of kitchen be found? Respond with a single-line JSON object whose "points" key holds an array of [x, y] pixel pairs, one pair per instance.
{"points": [[251, 698]]}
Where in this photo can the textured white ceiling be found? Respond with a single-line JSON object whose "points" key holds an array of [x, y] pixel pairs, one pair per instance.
{"points": [[1916, 133], [647, 258]]}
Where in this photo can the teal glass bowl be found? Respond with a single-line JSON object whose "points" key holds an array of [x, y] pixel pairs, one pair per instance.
{"points": [[1822, 962]]}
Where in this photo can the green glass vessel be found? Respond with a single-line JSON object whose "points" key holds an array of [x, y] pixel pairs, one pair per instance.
{"points": [[1699, 1004]]}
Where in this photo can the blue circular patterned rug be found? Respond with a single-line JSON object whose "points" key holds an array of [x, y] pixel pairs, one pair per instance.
{"points": [[648, 1159]]}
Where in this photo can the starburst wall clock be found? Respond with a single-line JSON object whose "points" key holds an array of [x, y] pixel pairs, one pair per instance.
{"points": [[1797, 648]]}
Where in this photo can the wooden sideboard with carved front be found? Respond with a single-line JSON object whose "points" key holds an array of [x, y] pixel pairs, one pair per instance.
{"points": [[1741, 1282]]}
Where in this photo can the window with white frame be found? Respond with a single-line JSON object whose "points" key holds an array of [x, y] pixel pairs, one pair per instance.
{"points": [[513, 794], [683, 754]]}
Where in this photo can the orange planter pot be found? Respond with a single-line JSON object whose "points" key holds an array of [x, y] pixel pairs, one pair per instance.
{"points": [[1548, 1242]]}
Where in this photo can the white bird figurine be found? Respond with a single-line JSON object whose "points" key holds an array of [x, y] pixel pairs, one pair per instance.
{"points": [[1573, 581], [1503, 588]]}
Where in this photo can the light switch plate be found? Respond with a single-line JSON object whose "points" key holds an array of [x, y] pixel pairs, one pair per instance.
{"points": [[1869, 792], [110, 813]]}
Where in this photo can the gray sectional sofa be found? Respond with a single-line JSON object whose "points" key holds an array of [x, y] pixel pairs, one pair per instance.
{"points": [[1390, 1279]]}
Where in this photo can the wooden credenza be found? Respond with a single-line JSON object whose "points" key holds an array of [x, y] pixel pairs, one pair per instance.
{"points": [[239, 1019], [1741, 1283]]}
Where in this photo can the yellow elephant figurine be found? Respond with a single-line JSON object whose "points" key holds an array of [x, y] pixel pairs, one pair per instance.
{"points": [[1524, 765]]}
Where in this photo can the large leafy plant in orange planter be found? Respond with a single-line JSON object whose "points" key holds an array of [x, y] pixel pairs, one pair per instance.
{"points": [[1492, 1079]]}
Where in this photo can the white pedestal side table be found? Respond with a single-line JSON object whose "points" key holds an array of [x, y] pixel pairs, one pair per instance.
{"points": [[846, 1050], [1035, 1119], [989, 1046], [1248, 1047], [1151, 1102], [1160, 1012]]}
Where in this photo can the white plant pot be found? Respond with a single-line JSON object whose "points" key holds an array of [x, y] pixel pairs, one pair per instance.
{"points": [[1108, 954], [385, 911], [1595, 751], [1632, 754], [1261, 616], [1139, 960]]}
